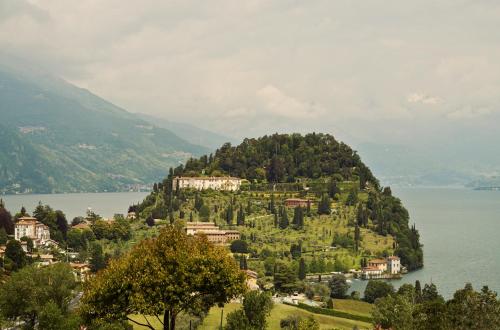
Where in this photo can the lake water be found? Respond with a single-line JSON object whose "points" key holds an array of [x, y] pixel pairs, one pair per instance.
{"points": [[104, 204], [460, 230]]}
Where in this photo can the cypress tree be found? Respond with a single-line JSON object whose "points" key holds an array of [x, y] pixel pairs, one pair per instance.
{"points": [[324, 205], [302, 269], [284, 219], [357, 237]]}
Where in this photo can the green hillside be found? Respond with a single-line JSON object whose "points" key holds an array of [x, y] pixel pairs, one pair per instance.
{"points": [[60, 138], [350, 217]]}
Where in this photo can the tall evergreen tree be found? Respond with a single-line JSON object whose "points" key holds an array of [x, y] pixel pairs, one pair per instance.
{"points": [[357, 237], [298, 217], [284, 219], [302, 269], [324, 205]]}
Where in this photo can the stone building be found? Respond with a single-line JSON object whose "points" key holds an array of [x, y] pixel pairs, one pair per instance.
{"points": [[203, 183], [213, 233], [32, 228]]}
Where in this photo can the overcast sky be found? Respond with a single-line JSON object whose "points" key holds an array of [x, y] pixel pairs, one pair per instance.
{"points": [[380, 71]]}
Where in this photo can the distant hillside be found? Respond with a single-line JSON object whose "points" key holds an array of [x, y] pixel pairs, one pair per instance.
{"points": [[60, 138], [191, 133]]}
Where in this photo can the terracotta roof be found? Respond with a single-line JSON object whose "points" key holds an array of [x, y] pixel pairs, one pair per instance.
{"points": [[377, 261], [393, 258], [81, 225]]}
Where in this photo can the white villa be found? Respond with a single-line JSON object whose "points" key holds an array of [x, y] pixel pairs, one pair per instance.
{"points": [[30, 227], [212, 182], [378, 268]]}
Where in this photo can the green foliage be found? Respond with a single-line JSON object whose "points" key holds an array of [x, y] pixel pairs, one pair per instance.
{"points": [[239, 246], [163, 276], [38, 294], [14, 253], [97, 261], [6, 222], [377, 289], [352, 198], [283, 157], [295, 322], [256, 308], [204, 212], [285, 278], [302, 269], [468, 309], [3, 236], [338, 286], [324, 205]]}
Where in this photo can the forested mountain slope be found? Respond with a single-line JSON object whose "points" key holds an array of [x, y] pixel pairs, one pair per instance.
{"points": [[60, 138]]}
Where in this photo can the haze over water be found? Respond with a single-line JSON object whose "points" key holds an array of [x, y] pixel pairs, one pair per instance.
{"points": [[459, 228]]}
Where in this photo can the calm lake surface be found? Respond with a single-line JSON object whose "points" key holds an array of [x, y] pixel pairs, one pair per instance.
{"points": [[73, 205], [460, 230]]}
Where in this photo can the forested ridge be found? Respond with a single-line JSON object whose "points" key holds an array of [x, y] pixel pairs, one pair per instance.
{"points": [[314, 166]]}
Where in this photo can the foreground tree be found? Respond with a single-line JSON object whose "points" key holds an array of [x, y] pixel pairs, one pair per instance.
{"points": [[256, 308], [377, 289], [338, 286], [163, 277], [39, 295]]}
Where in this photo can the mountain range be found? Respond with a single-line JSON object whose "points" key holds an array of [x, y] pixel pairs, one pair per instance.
{"points": [[56, 137]]}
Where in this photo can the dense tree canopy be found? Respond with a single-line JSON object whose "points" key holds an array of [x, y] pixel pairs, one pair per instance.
{"points": [[282, 158], [163, 277]]}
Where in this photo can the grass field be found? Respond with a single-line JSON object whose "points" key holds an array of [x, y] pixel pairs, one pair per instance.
{"points": [[280, 311]]}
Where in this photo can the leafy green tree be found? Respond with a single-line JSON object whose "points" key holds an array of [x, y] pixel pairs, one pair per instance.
{"points": [[285, 278], [150, 221], [14, 252], [256, 308], [38, 295], [162, 277], [333, 190], [239, 246], [469, 309], [324, 205], [204, 212], [97, 261], [377, 289], [3, 236], [62, 223], [352, 198], [394, 312], [6, 219], [338, 286]]}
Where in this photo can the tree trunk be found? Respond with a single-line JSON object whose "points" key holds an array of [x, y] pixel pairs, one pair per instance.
{"points": [[172, 320], [166, 320]]}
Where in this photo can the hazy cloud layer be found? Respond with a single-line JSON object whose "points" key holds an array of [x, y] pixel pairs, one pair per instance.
{"points": [[388, 71]]}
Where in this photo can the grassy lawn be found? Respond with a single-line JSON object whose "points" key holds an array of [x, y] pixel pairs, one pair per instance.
{"points": [[353, 306], [280, 311]]}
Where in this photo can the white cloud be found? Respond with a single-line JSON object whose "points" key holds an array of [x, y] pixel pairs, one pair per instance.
{"points": [[278, 103], [422, 98]]}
